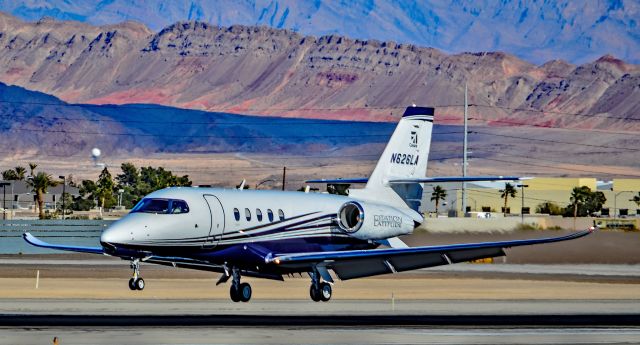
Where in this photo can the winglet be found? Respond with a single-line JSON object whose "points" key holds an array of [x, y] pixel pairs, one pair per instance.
{"points": [[39, 243]]}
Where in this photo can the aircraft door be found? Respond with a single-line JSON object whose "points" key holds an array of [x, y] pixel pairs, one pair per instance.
{"points": [[217, 223]]}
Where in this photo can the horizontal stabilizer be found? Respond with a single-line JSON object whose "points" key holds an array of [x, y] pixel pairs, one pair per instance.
{"points": [[39, 243], [443, 179], [340, 180], [438, 179]]}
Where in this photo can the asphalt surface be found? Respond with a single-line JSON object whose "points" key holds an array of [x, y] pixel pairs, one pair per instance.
{"points": [[308, 308], [320, 335]]}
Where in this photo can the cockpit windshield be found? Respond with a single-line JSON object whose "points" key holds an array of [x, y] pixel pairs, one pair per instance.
{"points": [[161, 206]]}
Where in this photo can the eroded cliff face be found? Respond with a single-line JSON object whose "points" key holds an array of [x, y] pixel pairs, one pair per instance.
{"points": [[260, 70]]}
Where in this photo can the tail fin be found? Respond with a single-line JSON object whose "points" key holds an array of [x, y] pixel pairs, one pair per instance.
{"points": [[405, 156]]}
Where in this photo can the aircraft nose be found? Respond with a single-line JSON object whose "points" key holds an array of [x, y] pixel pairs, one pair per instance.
{"points": [[115, 233]]}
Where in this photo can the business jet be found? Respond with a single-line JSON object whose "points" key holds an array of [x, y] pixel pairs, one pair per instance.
{"points": [[273, 234]]}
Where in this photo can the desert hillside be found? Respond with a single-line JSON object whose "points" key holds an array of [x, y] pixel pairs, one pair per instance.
{"points": [[266, 71]]}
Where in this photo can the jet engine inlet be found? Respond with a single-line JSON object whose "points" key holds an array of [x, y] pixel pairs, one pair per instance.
{"points": [[350, 217]]}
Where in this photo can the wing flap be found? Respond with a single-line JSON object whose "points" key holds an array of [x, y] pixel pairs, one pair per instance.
{"points": [[415, 261], [475, 254], [360, 268], [42, 244]]}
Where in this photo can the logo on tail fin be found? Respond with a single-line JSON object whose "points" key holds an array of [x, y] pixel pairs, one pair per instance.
{"points": [[414, 139]]}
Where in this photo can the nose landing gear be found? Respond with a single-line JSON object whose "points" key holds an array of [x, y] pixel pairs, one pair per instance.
{"points": [[136, 282], [239, 292]]}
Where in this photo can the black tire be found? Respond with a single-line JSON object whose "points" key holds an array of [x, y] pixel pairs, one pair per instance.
{"points": [[325, 292], [139, 283], [244, 292], [234, 293], [132, 285], [314, 293]]}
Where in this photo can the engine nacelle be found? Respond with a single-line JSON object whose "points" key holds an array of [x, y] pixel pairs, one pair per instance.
{"points": [[369, 221]]}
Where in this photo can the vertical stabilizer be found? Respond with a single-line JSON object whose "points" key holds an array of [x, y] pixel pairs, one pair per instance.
{"points": [[405, 156]]}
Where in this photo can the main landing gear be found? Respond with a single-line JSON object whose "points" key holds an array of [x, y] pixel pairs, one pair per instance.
{"points": [[239, 292], [136, 282], [319, 291]]}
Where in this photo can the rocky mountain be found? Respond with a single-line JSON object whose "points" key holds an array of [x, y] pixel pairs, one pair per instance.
{"points": [[261, 70], [537, 31]]}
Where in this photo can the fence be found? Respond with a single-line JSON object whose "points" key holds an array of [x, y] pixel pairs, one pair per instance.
{"points": [[73, 232]]}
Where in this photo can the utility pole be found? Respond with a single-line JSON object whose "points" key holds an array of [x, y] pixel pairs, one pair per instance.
{"points": [[64, 191], [4, 199], [284, 176], [522, 187], [464, 153]]}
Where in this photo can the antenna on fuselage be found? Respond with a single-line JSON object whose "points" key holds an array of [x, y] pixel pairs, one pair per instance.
{"points": [[241, 186]]}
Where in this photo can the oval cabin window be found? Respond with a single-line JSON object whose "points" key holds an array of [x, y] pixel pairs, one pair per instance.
{"points": [[270, 215]]}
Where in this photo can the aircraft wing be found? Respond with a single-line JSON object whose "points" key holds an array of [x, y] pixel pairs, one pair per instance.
{"points": [[39, 243], [436, 179], [364, 263]]}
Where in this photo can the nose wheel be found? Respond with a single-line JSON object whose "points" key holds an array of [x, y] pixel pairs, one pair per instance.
{"points": [[239, 292], [136, 282]]}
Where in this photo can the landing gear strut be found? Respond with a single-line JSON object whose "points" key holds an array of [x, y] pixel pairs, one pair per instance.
{"points": [[136, 282], [319, 291], [239, 291]]}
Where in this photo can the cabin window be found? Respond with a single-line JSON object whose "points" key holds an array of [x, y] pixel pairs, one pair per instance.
{"points": [[236, 214], [280, 214], [270, 215], [259, 214], [161, 206], [247, 214]]}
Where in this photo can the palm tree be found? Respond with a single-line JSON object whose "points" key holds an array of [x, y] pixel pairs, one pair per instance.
{"points": [[20, 172], [438, 194], [39, 184], [578, 197], [33, 167], [508, 191]]}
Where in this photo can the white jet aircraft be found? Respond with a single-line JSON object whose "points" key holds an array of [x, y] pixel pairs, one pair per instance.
{"points": [[270, 234]]}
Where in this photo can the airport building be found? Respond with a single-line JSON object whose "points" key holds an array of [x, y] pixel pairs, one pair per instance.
{"points": [[18, 195], [531, 194]]}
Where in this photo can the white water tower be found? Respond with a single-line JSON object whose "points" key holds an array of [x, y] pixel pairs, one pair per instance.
{"points": [[95, 155]]}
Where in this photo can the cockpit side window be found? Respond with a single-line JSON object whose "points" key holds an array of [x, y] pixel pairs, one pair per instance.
{"points": [[179, 206], [161, 206]]}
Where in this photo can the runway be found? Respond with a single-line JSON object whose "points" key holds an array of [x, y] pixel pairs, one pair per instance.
{"points": [[37, 321], [87, 302]]}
